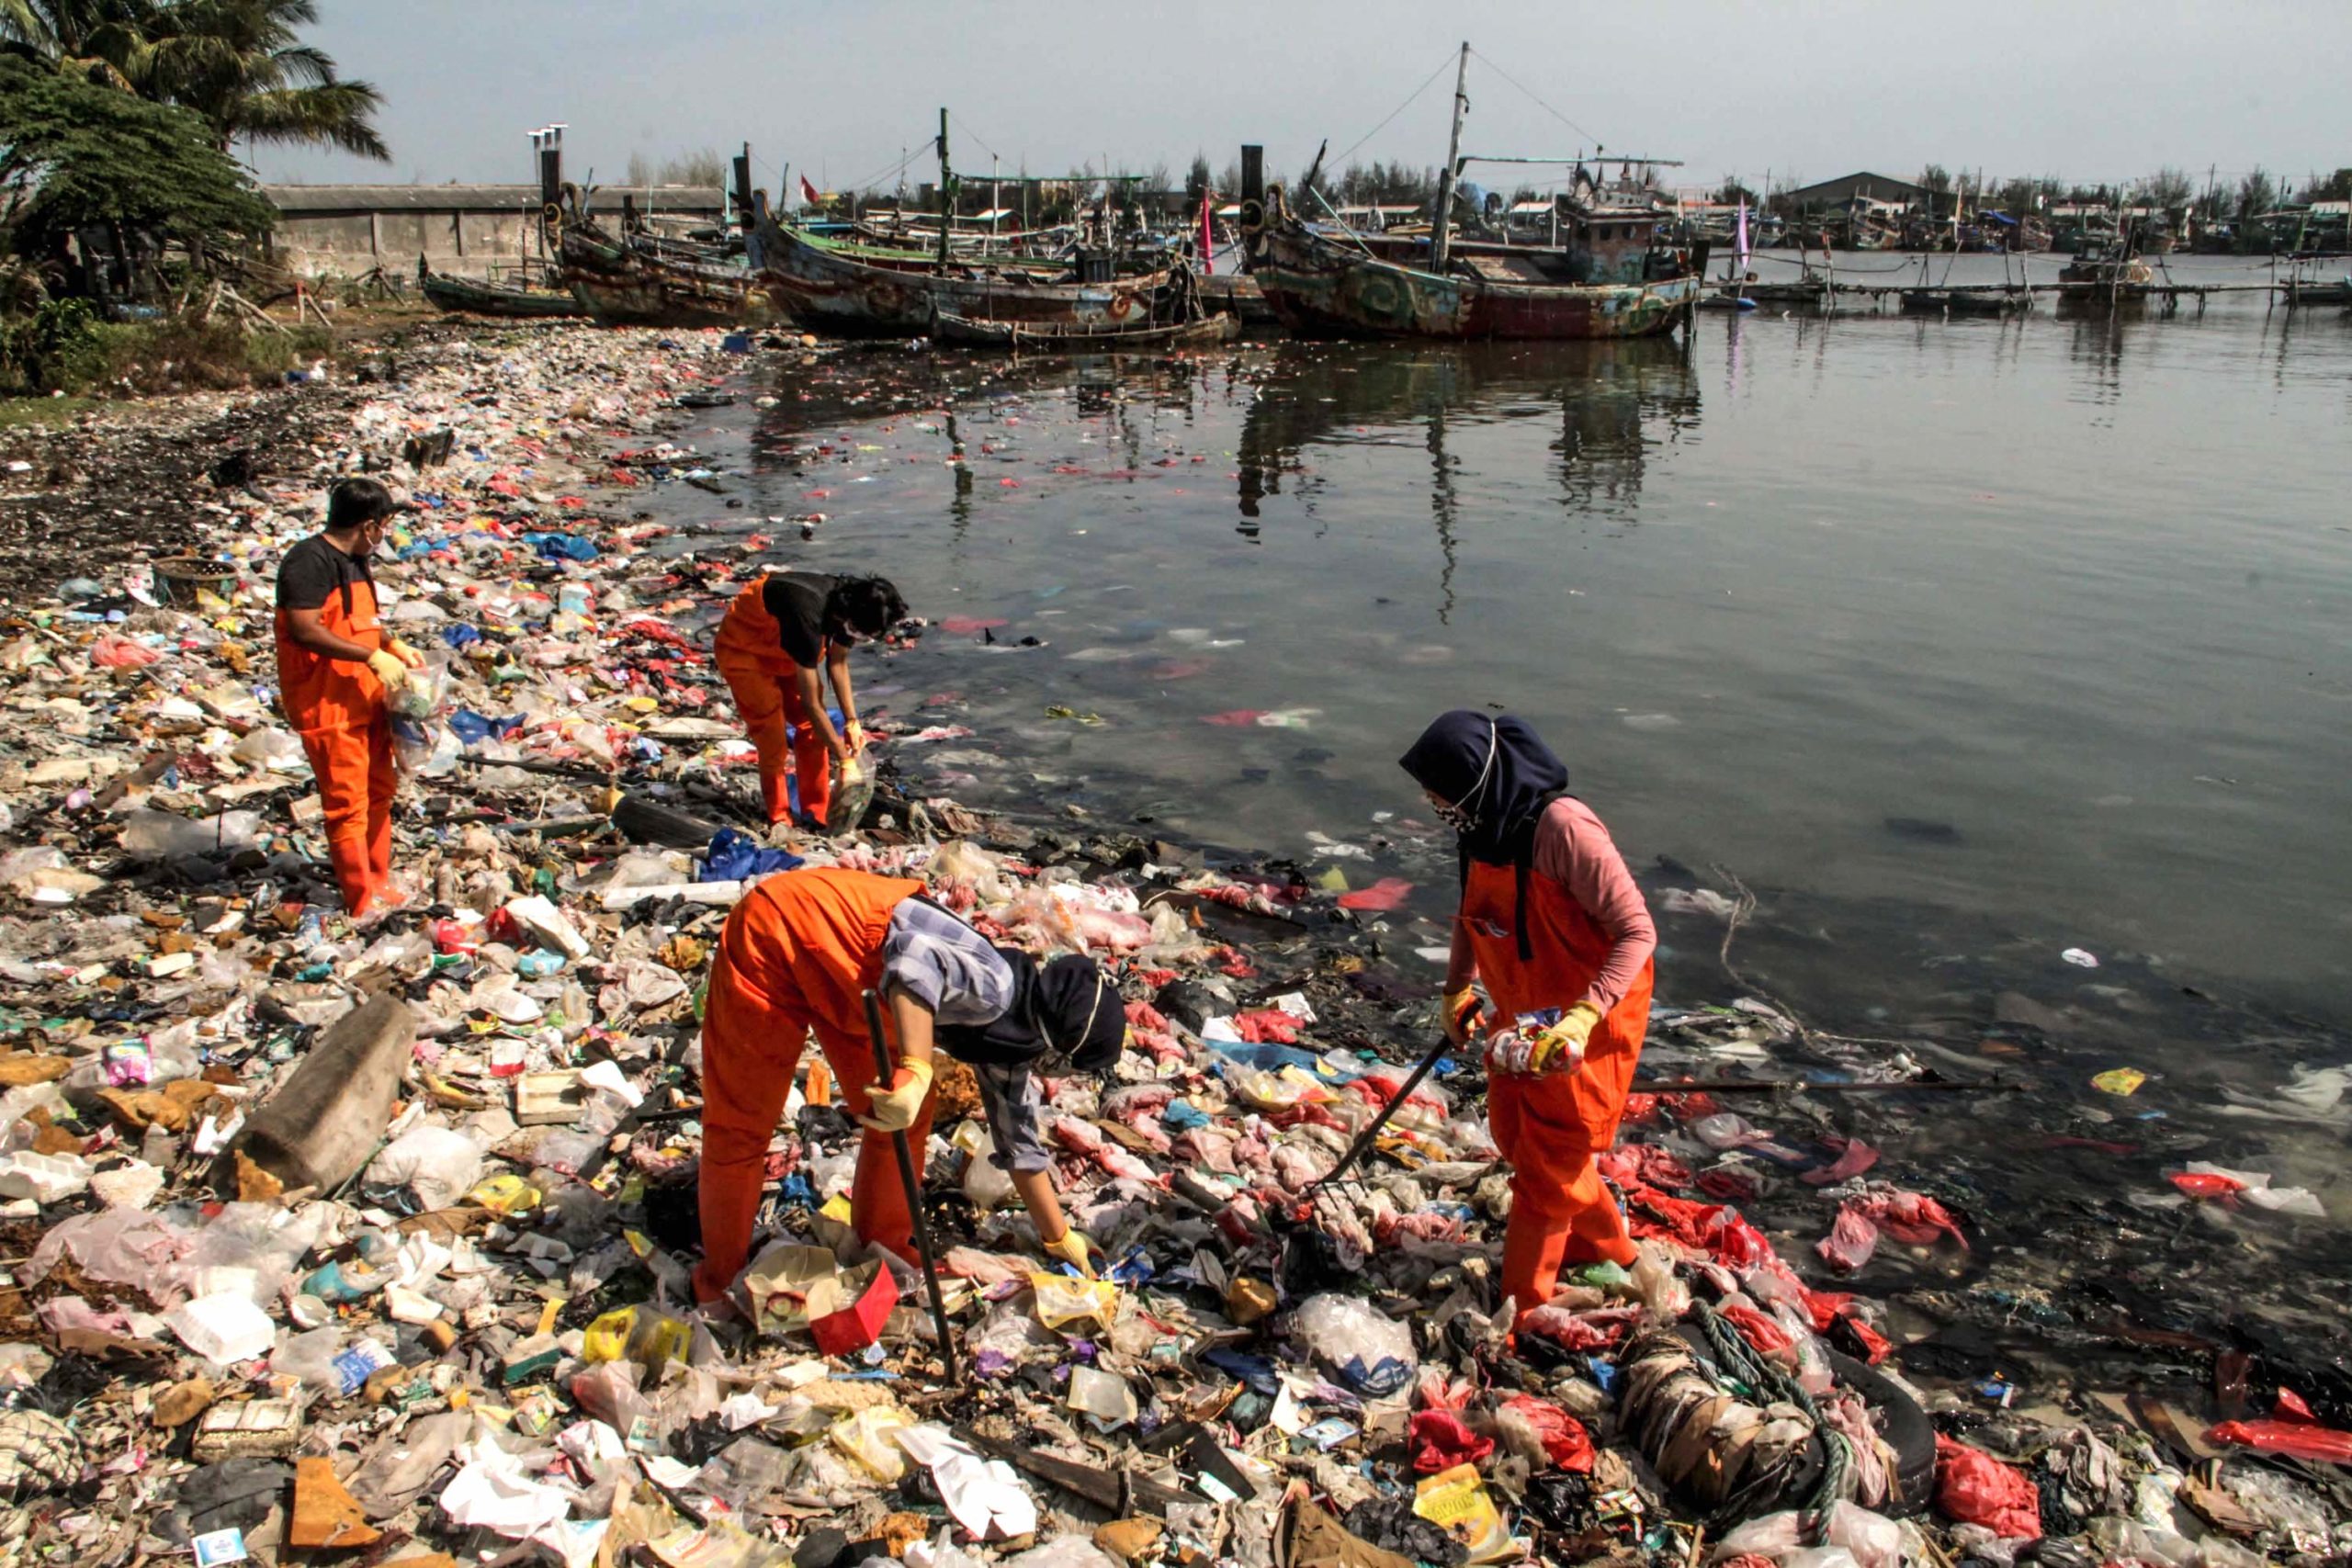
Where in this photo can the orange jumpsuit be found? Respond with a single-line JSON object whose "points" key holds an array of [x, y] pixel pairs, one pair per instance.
{"points": [[337, 708], [1550, 1125], [766, 686], [800, 953]]}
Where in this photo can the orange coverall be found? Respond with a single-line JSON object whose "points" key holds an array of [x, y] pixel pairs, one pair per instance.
{"points": [[338, 709], [767, 687], [800, 953], [1550, 1125]]}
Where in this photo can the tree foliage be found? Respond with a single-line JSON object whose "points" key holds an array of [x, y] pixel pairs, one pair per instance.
{"points": [[240, 64], [79, 156]]}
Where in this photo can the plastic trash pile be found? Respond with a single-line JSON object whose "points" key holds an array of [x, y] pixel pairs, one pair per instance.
{"points": [[324, 1244]]}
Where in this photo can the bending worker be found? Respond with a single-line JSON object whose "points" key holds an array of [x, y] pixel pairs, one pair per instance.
{"points": [[335, 670], [776, 633], [800, 953], [1553, 926]]}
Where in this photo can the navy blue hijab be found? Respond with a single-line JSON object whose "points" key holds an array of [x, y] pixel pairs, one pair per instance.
{"points": [[1501, 777]]}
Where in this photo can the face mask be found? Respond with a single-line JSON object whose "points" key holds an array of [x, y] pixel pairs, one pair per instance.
{"points": [[1454, 817]]}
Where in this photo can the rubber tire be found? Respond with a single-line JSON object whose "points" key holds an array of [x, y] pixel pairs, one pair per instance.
{"points": [[1907, 1431]]}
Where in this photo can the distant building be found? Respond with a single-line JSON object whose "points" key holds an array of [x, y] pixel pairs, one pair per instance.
{"points": [[1832, 195], [462, 228]]}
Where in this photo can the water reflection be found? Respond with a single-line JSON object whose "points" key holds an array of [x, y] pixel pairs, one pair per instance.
{"points": [[1614, 403]]}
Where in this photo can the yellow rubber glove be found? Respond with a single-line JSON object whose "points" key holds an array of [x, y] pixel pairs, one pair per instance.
{"points": [[1072, 1247], [1566, 1038], [405, 654], [1460, 1007], [894, 1111], [388, 670], [853, 735], [851, 773]]}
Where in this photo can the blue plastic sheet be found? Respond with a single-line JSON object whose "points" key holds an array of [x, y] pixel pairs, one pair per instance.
{"points": [[473, 729], [736, 856], [560, 546], [460, 635]]}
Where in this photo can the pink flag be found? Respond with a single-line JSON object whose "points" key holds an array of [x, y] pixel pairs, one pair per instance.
{"points": [[1208, 238]]}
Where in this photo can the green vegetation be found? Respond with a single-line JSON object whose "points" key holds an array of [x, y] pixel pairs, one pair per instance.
{"points": [[239, 65]]}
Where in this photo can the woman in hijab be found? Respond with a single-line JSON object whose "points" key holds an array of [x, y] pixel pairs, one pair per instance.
{"points": [[798, 954], [1554, 928]]}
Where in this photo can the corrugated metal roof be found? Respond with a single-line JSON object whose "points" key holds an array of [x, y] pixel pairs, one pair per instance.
{"points": [[319, 200]]}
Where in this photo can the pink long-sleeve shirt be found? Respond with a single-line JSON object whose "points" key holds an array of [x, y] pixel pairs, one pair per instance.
{"points": [[1574, 850]]}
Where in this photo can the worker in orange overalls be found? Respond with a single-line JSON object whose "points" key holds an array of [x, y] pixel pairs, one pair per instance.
{"points": [[335, 671], [1554, 927], [799, 953], [777, 633]]}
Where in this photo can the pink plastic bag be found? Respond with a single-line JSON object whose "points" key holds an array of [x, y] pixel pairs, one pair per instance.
{"points": [[1851, 1240], [114, 651]]}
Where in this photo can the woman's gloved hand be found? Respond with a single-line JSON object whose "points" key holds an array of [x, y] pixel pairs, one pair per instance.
{"points": [[853, 735], [895, 1109], [406, 654], [1460, 1009], [388, 670], [851, 773], [1560, 1046], [1072, 1247]]}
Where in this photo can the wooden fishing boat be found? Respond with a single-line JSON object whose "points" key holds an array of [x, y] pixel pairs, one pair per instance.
{"points": [[1965, 302], [2098, 281], [1319, 286], [474, 297], [1084, 338], [827, 292], [2316, 291], [1612, 276], [622, 285]]}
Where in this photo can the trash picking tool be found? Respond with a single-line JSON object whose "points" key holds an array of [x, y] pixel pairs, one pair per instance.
{"points": [[1364, 1143], [886, 1068]]}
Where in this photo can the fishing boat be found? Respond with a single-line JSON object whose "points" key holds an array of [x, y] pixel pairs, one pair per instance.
{"points": [[2099, 280], [2004, 301], [477, 296], [621, 283], [2312, 291], [1085, 338], [830, 291], [1611, 277]]}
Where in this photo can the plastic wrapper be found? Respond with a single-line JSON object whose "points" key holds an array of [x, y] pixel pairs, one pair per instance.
{"points": [[1368, 1350]]}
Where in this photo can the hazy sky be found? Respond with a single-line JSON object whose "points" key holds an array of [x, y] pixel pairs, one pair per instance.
{"points": [[2084, 89]]}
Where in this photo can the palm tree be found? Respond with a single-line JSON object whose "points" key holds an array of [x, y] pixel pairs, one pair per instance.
{"points": [[242, 66], [80, 37]]}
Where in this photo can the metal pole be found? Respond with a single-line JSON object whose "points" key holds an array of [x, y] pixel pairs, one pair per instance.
{"points": [[1363, 1140], [885, 1070]]}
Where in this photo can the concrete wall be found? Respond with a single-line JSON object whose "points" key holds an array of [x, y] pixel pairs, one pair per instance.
{"points": [[465, 244]]}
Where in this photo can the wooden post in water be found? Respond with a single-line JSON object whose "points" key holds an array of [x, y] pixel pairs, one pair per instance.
{"points": [[1441, 239]]}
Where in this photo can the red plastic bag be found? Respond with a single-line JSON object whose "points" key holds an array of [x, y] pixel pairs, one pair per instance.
{"points": [[2207, 1184], [1974, 1488], [2298, 1438], [1565, 1442], [1851, 1240], [1441, 1441]]}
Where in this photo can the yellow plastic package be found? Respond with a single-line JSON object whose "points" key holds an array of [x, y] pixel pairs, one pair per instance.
{"points": [[869, 1437], [1062, 1301], [1456, 1502]]}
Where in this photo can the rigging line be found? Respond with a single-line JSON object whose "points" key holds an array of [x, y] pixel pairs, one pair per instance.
{"points": [[1547, 108], [1400, 108], [957, 120]]}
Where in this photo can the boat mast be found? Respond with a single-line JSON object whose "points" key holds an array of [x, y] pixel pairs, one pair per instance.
{"points": [[947, 180], [1440, 246]]}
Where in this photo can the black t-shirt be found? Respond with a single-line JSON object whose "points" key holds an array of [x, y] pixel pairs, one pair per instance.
{"points": [[314, 570], [796, 600]]}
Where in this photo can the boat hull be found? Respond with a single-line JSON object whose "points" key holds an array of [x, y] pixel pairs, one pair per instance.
{"points": [[828, 292], [1032, 339], [648, 299], [1319, 290], [472, 298]]}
